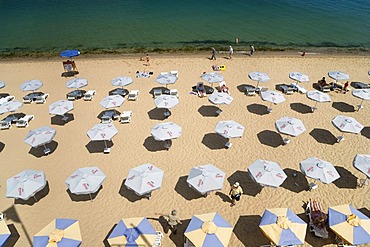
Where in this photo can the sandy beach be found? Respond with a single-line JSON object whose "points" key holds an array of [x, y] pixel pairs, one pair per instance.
{"points": [[198, 144]]}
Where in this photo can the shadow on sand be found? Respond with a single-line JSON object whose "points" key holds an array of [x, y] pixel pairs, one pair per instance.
{"points": [[301, 108], [343, 107], [366, 132], [98, 146], [158, 113], [323, 136], [270, 138], [249, 186], [347, 180], [153, 145], [14, 236], [38, 152], [183, 189], [208, 110], [296, 181], [2, 146], [39, 196], [214, 141], [257, 109], [247, 235], [58, 119], [83, 198], [129, 194]]}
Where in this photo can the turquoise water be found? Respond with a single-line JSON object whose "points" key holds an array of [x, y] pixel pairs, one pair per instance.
{"points": [[97, 25]]}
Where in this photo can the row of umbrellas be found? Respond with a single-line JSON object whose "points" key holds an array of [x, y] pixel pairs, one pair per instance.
{"points": [[280, 225]]}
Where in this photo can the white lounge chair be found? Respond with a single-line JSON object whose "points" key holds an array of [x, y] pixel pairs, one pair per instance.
{"points": [[174, 92], [250, 90], [228, 145], [106, 120], [23, 122], [299, 88], [157, 92], [164, 73], [47, 151], [106, 150], [7, 99], [158, 240], [88, 96], [133, 95], [41, 99], [312, 186], [175, 72], [5, 125], [125, 117]]}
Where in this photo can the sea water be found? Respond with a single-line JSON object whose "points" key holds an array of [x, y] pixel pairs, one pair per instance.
{"points": [[142, 25]]}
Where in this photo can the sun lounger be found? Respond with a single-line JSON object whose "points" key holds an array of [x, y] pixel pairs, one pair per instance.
{"points": [[106, 150], [6, 99], [41, 99], [167, 144], [175, 72], [299, 88], [362, 85], [174, 92], [287, 89], [47, 151], [23, 122], [88, 96], [228, 145], [125, 117], [158, 240], [249, 90], [143, 74], [317, 219], [5, 125], [133, 95], [157, 92]]}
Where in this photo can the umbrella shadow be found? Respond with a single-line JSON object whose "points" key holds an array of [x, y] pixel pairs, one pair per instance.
{"points": [[343, 107], [98, 146], [247, 235], [58, 119], [178, 238], [110, 112], [347, 180], [224, 197], [270, 138], [105, 241], [70, 73], [183, 189], [296, 181], [301, 108], [163, 89], [38, 152], [158, 114], [14, 236], [39, 196], [242, 87], [323, 136], [365, 211], [208, 110], [208, 89], [83, 198], [119, 91], [153, 145], [130, 195], [249, 186], [257, 109], [214, 141], [366, 132], [2, 146]]}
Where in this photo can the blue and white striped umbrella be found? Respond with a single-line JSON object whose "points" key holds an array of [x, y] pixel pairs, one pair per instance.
{"points": [[133, 232], [208, 230], [4, 232], [59, 233], [349, 224]]}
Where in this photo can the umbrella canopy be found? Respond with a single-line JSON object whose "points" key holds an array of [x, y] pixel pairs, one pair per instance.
{"points": [[363, 94], [60, 107], [26, 184], [220, 98], [59, 233], [347, 124], [209, 230], [4, 232], [229, 129], [282, 227], [76, 83], [267, 173], [212, 77], [290, 126], [102, 132], [166, 79], [166, 131], [30, 85], [85, 180], [122, 81], [319, 169], [272, 96], [10, 106], [70, 53], [297, 76], [166, 101], [349, 224], [259, 77], [40, 136], [338, 75], [206, 178], [318, 96], [144, 178], [133, 232], [112, 101], [2, 84], [362, 162]]}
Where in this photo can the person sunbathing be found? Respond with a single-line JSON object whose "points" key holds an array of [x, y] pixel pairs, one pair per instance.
{"points": [[201, 90], [225, 89], [318, 216]]}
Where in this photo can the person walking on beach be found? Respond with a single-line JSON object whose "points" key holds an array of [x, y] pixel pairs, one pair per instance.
{"points": [[147, 58], [252, 50], [172, 221], [213, 57], [231, 51], [235, 193]]}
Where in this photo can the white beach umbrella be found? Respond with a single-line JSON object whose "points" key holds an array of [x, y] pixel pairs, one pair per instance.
{"points": [[102, 132], [229, 129], [206, 178], [267, 173], [86, 180], [122, 81], [60, 107], [166, 101], [166, 79], [40, 136], [10, 106], [2, 84], [338, 75], [259, 77], [76, 83], [31, 85], [112, 101], [297, 76], [144, 178], [347, 124], [166, 131], [319, 169], [212, 77], [317, 96], [290, 126], [272, 97], [362, 163], [363, 94], [220, 98], [25, 184]]}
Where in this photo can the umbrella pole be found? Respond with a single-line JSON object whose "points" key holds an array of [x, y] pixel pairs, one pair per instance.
{"points": [[90, 197], [105, 143], [314, 108], [258, 82], [35, 198], [360, 105]]}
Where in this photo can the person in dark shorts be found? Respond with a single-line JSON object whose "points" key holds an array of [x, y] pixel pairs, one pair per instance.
{"points": [[235, 193]]}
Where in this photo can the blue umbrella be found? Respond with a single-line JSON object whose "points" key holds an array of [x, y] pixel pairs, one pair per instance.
{"points": [[70, 53], [4, 232]]}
